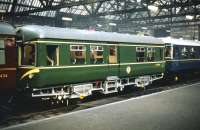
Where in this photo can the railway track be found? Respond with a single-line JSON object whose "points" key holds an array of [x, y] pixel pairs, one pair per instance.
{"points": [[40, 110]]}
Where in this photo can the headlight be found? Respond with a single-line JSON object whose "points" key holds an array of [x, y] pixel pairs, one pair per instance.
{"points": [[30, 76]]}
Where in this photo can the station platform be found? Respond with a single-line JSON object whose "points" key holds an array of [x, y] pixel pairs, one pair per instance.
{"points": [[176, 109]]}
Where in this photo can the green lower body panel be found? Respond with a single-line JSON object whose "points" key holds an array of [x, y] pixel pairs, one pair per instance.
{"points": [[51, 76], [141, 69]]}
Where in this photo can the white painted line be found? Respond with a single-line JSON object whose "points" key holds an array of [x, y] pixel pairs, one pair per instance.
{"points": [[98, 65], [160, 45], [98, 107]]}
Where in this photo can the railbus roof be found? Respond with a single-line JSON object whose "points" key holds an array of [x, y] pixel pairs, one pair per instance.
{"points": [[31, 32], [6, 29], [183, 42]]}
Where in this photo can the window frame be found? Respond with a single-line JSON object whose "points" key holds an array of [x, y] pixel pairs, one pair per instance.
{"points": [[21, 55], [184, 52], [193, 52], [138, 50], [153, 52], [84, 49], [110, 56], [96, 49], [171, 52], [57, 55]]}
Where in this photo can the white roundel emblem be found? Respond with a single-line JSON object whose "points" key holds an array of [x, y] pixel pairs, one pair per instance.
{"points": [[128, 69]]}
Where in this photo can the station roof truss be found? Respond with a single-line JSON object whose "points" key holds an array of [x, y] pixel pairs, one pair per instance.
{"points": [[127, 14]]}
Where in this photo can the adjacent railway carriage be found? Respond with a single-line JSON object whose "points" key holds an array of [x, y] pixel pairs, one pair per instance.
{"points": [[70, 63], [8, 59], [182, 57]]}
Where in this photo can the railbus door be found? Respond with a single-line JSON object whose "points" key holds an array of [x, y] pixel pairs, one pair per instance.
{"points": [[113, 68]]}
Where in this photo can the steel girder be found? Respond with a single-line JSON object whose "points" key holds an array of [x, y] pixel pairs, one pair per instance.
{"points": [[122, 12]]}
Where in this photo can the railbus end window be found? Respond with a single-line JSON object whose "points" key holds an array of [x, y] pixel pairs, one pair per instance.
{"points": [[28, 54]]}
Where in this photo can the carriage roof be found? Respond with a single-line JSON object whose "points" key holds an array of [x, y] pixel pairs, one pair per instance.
{"points": [[6, 29], [31, 32], [181, 42]]}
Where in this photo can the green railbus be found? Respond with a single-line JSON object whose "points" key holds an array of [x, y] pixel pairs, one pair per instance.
{"points": [[71, 63]]}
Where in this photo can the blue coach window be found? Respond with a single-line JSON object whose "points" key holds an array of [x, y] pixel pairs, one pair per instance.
{"points": [[184, 53], [193, 54]]}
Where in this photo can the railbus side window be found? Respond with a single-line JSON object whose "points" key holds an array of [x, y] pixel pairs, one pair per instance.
{"points": [[52, 56], [150, 54], [112, 54], [78, 54], [96, 54], [2, 52], [28, 54], [140, 54]]}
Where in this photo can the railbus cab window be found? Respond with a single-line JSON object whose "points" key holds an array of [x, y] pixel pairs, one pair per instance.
{"points": [[168, 52], [28, 54], [96, 54], [113, 54], [52, 55], [140, 54], [78, 54], [2, 52], [150, 54]]}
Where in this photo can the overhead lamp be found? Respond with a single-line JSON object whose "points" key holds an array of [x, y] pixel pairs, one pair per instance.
{"points": [[138, 1], [66, 19], [153, 8], [197, 16], [144, 28], [99, 25], [144, 4], [190, 17], [112, 24], [2, 11], [165, 10]]}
